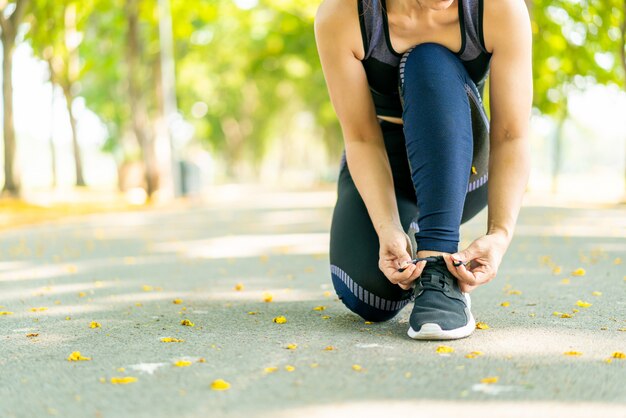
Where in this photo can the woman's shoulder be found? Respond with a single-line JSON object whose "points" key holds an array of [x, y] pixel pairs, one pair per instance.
{"points": [[501, 17], [338, 20]]}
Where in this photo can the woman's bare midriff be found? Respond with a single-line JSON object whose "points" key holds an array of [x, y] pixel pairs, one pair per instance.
{"points": [[390, 119]]}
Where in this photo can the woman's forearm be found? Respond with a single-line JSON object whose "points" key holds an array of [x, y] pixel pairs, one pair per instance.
{"points": [[509, 168], [369, 166]]}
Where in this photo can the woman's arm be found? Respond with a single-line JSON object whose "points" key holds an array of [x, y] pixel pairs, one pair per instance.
{"points": [[339, 44], [508, 36]]}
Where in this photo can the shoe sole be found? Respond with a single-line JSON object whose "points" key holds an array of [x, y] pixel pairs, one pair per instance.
{"points": [[431, 331]]}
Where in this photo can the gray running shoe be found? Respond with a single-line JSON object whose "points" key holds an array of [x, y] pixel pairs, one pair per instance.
{"points": [[441, 310]]}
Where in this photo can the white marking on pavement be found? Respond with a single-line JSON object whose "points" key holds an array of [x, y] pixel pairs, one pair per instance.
{"points": [[490, 389], [149, 368]]}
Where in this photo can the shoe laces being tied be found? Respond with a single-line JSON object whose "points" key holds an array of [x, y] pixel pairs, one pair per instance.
{"points": [[436, 276]]}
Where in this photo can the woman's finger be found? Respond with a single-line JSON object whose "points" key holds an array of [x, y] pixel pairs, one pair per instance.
{"points": [[460, 272]]}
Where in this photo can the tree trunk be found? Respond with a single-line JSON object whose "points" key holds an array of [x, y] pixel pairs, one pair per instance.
{"points": [[78, 165], [558, 150], [11, 174], [53, 155], [140, 120], [623, 62]]}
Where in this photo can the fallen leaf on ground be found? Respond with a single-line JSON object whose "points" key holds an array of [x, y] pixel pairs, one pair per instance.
{"points": [[325, 317], [239, 287], [31, 335], [3, 313], [314, 365], [596, 293], [444, 349], [182, 363], [514, 292], [319, 308], [267, 297], [187, 323], [94, 324], [327, 293], [291, 346], [82, 294], [177, 301], [171, 340], [357, 368], [505, 304], [617, 261], [201, 360], [583, 304], [482, 325], [579, 272], [252, 313], [220, 384], [573, 353], [368, 322], [147, 288], [123, 380], [279, 320], [290, 368], [489, 380], [565, 281], [76, 356], [474, 354], [270, 369], [557, 270], [618, 354], [38, 309], [329, 348]]}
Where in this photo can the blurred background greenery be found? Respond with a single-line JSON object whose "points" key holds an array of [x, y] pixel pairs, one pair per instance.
{"points": [[168, 97]]}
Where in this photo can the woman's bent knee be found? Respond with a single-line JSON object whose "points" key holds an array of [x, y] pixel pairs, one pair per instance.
{"points": [[368, 306]]}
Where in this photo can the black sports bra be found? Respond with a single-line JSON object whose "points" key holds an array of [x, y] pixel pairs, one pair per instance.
{"points": [[381, 61]]}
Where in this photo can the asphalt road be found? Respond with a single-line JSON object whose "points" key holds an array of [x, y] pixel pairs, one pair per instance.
{"points": [[125, 270]]}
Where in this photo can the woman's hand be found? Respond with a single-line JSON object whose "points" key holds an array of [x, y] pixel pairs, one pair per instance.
{"points": [[480, 261], [395, 248]]}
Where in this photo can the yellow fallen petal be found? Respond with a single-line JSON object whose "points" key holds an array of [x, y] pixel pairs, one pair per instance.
{"points": [[505, 304], [583, 304], [290, 368], [182, 363], [621, 329], [357, 368], [67, 318], [565, 280], [556, 313], [368, 322], [102, 380], [187, 323], [618, 354], [565, 315], [82, 294], [171, 340], [32, 335], [556, 270], [489, 380], [573, 353], [327, 293], [575, 310], [292, 346], [514, 292], [268, 297], [617, 261], [252, 313], [123, 380], [482, 325], [76, 356], [319, 308], [3, 313], [239, 287], [279, 320], [177, 301], [329, 348], [38, 309], [596, 293], [325, 317], [94, 324], [201, 360], [579, 272], [147, 288], [270, 369], [444, 349], [474, 354], [121, 370], [474, 170], [139, 304], [314, 365]]}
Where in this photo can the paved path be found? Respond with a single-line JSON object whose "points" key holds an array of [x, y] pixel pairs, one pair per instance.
{"points": [[125, 270]]}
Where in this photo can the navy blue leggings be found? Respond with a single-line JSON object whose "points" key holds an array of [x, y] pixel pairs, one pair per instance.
{"points": [[439, 162]]}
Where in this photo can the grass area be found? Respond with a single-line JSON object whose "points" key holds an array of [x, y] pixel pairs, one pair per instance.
{"points": [[40, 208]]}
